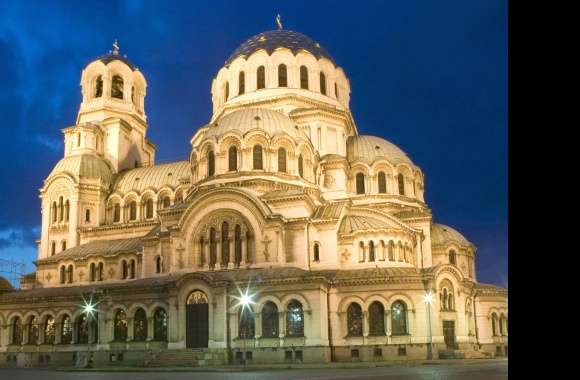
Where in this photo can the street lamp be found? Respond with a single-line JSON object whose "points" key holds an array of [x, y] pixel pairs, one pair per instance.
{"points": [[245, 299], [89, 309], [428, 299]]}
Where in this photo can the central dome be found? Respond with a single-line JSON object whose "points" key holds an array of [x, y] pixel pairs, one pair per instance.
{"points": [[244, 120], [281, 38]]}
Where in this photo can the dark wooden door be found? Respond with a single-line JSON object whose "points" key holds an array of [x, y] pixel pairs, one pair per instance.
{"points": [[449, 333], [197, 325]]}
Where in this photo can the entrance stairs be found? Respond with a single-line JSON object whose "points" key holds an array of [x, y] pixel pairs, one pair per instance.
{"points": [[195, 357], [464, 354]]}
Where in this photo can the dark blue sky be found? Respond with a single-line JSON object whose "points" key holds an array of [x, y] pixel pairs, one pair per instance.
{"points": [[429, 76]]}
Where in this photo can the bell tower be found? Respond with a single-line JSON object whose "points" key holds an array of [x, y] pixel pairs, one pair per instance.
{"points": [[114, 92]]}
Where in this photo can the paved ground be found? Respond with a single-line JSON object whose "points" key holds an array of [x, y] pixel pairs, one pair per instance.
{"points": [[471, 371]]}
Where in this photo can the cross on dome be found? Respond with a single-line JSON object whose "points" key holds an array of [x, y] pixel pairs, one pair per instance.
{"points": [[279, 21], [115, 47]]}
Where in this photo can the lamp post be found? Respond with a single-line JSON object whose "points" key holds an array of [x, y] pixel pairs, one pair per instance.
{"points": [[89, 309], [428, 299], [245, 299]]}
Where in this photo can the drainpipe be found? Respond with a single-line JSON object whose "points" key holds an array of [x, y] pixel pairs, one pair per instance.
{"points": [[330, 346], [308, 243], [228, 333], [475, 320]]}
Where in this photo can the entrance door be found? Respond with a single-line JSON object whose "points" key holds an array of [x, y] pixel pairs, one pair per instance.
{"points": [[197, 320], [449, 334]]}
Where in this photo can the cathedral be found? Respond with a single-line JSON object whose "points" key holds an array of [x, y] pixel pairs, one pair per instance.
{"points": [[286, 236]]}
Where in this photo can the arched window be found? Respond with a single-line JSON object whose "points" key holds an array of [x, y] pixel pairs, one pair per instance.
{"points": [[226, 91], [322, 83], [160, 325], [124, 270], [233, 158], [336, 90], [270, 321], [132, 268], [212, 248], [382, 182], [257, 155], [66, 210], [303, 77], [54, 212], [133, 210], [120, 326], [62, 274], [391, 251], [49, 330], [53, 248], [92, 272], [117, 212], [66, 330], [87, 216], [401, 181], [140, 325], [241, 83], [149, 209], [300, 166], [100, 272], [225, 244], [63, 245], [99, 87], [158, 264], [60, 209], [82, 327], [452, 257], [282, 76], [294, 319], [399, 318], [166, 202], [69, 274], [372, 251], [494, 324], [133, 95], [376, 319], [316, 252], [354, 320], [502, 325], [238, 245], [282, 160], [261, 78], [33, 330], [117, 87], [247, 323], [178, 196], [360, 183], [16, 331], [210, 163]]}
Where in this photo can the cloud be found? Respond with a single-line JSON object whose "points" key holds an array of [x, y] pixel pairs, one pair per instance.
{"points": [[19, 237]]}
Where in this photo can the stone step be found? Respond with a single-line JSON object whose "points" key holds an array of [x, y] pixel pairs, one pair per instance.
{"points": [[180, 358]]}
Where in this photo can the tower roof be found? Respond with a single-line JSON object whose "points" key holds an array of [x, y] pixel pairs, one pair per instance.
{"points": [[115, 55]]}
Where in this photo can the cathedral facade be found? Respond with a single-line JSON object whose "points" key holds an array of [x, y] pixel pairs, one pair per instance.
{"points": [[286, 236]]}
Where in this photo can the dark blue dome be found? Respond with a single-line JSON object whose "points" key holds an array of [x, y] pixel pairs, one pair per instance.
{"points": [[273, 39], [112, 57]]}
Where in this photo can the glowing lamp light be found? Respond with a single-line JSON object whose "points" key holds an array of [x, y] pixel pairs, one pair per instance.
{"points": [[89, 308], [428, 298]]}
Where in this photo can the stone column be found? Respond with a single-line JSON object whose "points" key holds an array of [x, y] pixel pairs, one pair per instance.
{"points": [[73, 224], [206, 254], [130, 329], [218, 245], [232, 251], [150, 331]]}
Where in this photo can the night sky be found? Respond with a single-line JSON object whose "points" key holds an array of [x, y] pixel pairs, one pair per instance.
{"points": [[429, 76]]}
